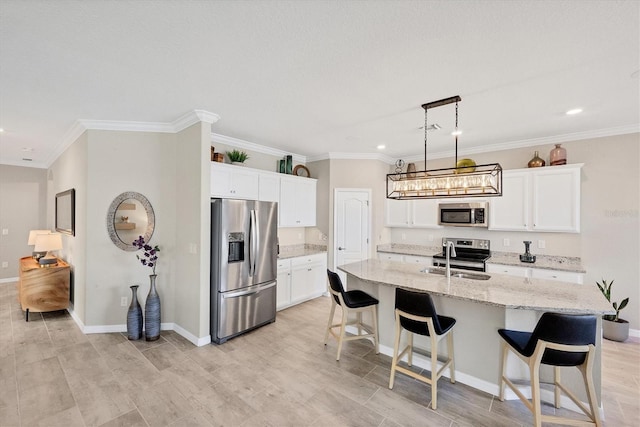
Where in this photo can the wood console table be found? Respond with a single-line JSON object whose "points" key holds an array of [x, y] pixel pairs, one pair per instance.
{"points": [[43, 288]]}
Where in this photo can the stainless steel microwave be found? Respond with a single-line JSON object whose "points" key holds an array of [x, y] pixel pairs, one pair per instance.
{"points": [[464, 214]]}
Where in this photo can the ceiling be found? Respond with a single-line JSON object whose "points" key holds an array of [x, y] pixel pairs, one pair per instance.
{"points": [[318, 77]]}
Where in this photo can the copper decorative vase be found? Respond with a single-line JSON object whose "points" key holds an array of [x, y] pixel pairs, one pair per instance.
{"points": [[558, 156], [536, 162]]}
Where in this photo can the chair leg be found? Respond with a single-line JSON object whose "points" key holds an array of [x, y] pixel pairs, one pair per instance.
{"points": [[434, 373], [396, 347], [331, 314], [343, 326], [535, 394], [591, 394], [410, 346], [505, 353], [556, 386], [376, 340], [359, 322], [452, 366]]}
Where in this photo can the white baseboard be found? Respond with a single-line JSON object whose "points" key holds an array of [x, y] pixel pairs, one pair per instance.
{"points": [[634, 333], [9, 280], [108, 329]]}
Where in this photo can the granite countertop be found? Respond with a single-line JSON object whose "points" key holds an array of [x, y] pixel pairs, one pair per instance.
{"points": [[500, 290], [294, 251], [549, 262]]}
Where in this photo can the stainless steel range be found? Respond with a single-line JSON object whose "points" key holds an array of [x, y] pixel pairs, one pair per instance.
{"points": [[471, 254]]}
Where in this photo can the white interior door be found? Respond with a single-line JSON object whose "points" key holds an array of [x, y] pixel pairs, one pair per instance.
{"points": [[352, 226]]}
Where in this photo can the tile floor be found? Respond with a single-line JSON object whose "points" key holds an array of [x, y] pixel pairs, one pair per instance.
{"points": [[279, 375]]}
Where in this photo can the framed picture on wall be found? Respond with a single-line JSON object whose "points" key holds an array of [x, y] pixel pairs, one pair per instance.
{"points": [[66, 212]]}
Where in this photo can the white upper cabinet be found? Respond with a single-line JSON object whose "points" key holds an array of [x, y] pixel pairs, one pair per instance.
{"points": [[297, 202], [541, 199], [269, 187], [511, 211], [419, 213], [233, 182]]}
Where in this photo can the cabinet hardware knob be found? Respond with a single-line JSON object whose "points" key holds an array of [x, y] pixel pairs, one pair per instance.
{"points": [[340, 248]]}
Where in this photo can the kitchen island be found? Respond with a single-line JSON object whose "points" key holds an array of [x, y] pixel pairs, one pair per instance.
{"points": [[481, 307]]}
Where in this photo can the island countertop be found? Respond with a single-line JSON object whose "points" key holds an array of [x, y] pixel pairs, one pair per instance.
{"points": [[500, 290]]}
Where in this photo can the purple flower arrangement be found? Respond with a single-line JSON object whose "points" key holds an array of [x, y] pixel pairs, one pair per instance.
{"points": [[150, 255]]}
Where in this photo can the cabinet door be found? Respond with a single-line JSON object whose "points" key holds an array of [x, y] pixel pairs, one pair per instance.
{"points": [[319, 274], [297, 202], [424, 213], [510, 270], [556, 199], [511, 211], [220, 182], [283, 289], [269, 188], [302, 286], [561, 276], [306, 202], [386, 256], [396, 213], [419, 260], [244, 184]]}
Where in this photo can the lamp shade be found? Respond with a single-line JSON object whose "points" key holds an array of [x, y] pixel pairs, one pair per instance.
{"points": [[48, 242], [34, 233]]}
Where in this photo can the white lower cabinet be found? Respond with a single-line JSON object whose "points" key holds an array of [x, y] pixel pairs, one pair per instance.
{"points": [[386, 256], [301, 279], [536, 273], [408, 259]]}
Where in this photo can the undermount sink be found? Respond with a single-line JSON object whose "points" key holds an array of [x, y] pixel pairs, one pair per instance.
{"points": [[456, 273]]}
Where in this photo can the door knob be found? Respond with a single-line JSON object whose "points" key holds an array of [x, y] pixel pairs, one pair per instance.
{"points": [[340, 248]]}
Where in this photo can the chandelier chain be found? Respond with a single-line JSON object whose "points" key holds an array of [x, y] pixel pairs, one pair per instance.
{"points": [[456, 133], [426, 130]]}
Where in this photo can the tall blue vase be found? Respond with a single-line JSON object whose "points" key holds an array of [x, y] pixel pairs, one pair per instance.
{"points": [[134, 316], [152, 312]]}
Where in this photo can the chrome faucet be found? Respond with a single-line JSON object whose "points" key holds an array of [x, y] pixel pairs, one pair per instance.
{"points": [[450, 251]]}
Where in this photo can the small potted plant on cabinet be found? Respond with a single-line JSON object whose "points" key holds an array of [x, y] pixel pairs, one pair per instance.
{"points": [[237, 157], [613, 327]]}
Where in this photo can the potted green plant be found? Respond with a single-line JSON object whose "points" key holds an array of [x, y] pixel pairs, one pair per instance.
{"points": [[237, 156], [613, 327]]}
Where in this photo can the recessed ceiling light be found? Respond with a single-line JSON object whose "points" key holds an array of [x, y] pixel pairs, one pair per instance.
{"points": [[456, 132], [27, 149], [381, 147], [574, 111], [1, 130]]}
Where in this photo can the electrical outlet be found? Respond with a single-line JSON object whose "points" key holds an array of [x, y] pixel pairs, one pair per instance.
{"points": [[5, 264], [404, 236], [5, 231], [506, 242], [193, 248], [430, 237], [299, 236], [123, 301], [541, 244]]}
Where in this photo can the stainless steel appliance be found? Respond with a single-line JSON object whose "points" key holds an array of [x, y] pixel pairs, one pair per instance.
{"points": [[471, 254], [464, 214], [244, 250]]}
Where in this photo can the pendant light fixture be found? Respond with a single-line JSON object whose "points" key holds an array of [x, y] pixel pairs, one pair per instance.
{"points": [[460, 181]]}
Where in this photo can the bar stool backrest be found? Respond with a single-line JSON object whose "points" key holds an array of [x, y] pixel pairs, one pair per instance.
{"points": [[569, 329], [418, 304], [336, 285]]}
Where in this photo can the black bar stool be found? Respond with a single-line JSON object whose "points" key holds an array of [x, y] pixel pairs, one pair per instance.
{"points": [[350, 302], [557, 340], [416, 313]]}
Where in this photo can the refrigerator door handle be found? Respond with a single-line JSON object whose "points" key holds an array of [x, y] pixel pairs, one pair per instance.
{"points": [[251, 291], [253, 246]]}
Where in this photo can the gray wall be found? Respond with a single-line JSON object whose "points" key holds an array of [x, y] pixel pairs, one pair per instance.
{"points": [[23, 207]]}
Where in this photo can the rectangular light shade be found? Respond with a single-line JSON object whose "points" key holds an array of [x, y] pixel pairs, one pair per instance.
{"points": [[474, 181], [34, 233], [48, 242]]}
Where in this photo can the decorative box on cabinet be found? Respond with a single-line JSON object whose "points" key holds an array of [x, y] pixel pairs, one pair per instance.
{"points": [[43, 289]]}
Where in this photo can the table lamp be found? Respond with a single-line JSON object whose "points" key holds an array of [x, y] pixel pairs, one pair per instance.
{"points": [[48, 243], [32, 241]]}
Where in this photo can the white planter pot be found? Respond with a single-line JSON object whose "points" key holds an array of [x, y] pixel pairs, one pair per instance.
{"points": [[615, 331]]}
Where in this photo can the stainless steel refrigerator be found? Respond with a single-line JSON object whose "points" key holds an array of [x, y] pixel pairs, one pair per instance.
{"points": [[243, 266]]}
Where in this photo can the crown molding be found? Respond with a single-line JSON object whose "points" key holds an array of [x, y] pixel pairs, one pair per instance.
{"points": [[246, 145], [523, 143], [352, 156]]}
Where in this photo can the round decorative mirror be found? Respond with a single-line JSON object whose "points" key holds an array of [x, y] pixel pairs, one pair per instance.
{"points": [[130, 215]]}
